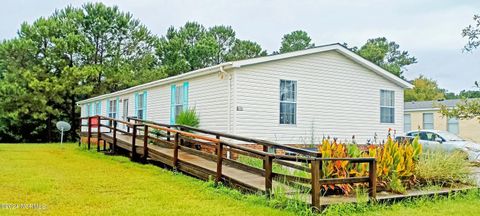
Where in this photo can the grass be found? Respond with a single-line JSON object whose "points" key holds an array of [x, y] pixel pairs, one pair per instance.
{"points": [[443, 168], [456, 204], [276, 168], [69, 181]]}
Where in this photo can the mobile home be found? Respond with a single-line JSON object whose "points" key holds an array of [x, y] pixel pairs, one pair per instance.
{"points": [[291, 98]]}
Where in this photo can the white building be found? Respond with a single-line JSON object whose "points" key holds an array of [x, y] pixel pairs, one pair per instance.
{"points": [[286, 98]]}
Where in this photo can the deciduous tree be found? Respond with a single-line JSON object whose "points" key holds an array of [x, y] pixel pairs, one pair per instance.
{"points": [[73, 54], [386, 54], [424, 89], [296, 40]]}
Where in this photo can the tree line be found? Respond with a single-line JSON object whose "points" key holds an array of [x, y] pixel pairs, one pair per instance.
{"points": [[80, 52]]}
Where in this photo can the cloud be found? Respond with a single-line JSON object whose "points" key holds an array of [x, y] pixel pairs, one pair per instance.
{"points": [[428, 29]]}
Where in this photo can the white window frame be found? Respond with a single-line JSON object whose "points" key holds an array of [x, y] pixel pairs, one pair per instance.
{"points": [[88, 110], [283, 121], [429, 123], [386, 104], [140, 100], [113, 112], [179, 91], [407, 126], [98, 108], [453, 121]]}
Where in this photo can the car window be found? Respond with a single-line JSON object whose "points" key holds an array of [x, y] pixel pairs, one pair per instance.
{"points": [[431, 136], [428, 136], [423, 136], [414, 134]]}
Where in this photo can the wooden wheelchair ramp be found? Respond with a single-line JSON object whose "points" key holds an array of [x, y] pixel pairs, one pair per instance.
{"points": [[212, 155], [193, 164]]}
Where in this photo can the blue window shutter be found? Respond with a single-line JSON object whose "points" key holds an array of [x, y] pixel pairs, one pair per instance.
{"points": [[108, 108], [136, 105], [87, 108], [117, 113], [185, 95], [172, 104], [144, 105], [92, 108]]}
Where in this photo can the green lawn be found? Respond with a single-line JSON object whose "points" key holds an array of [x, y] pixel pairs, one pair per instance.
{"points": [[459, 204], [67, 180]]}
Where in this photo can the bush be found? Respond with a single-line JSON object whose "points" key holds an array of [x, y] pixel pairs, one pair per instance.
{"points": [[395, 163], [443, 168], [188, 117]]}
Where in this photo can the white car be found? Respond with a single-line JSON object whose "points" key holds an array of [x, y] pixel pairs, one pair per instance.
{"points": [[436, 139]]}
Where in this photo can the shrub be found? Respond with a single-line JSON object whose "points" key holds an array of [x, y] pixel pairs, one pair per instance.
{"points": [[395, 163], [188, 117], [443, 168]]}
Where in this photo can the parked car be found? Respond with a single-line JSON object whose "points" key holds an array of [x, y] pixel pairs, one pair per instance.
{"points": [[404, 139], [436, 139]]}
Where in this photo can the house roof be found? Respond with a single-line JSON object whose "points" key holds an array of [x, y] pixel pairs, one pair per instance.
{"points": [[430, 105], [258, 60]]}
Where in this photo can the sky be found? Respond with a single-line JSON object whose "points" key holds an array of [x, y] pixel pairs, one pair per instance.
{"points": [[430, 30]]}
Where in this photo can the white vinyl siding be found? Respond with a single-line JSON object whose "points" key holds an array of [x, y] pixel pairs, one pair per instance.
{"points": [[427, 120], [207, 94], [288, 102], [452, 125], [407, 119], [387, 106], [336, 97]]}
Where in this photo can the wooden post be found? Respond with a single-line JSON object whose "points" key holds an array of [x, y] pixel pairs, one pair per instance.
{"points": [[268, 174], [265, 149], [315, 171], [114, 136], [372, 183], [181, 140], [128, 126], [216, 150], [89, 133], [98, 133], [134, 138], [175, 151], [218, 176], [145, 143], [80, 133], [168, 134]]}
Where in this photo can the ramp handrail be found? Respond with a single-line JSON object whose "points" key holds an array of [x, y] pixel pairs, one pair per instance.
{"points": [[183, 134]]}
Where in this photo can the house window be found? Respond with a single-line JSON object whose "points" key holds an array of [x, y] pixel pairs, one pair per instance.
{"points": [[140, 105], [387, 106], [452, 125], [178, 100], [427, 120], [112, 112], [407, 122], [98, 108], [88, 110], [288, 102]]}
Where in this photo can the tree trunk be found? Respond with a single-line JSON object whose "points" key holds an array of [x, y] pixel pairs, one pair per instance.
{"points": [[73, 119], [49, 128]]}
